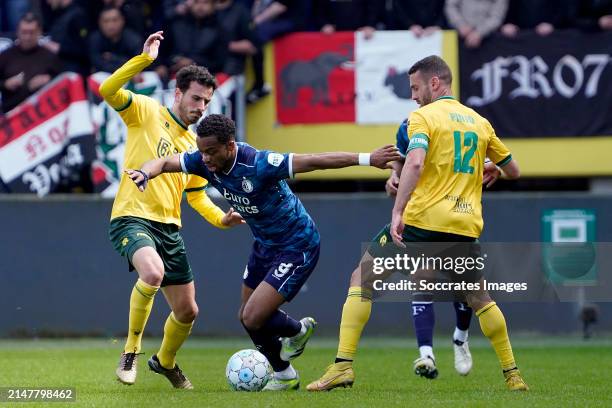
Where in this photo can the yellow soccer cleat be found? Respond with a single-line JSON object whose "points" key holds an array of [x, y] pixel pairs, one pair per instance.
{"points": [[336, 375], [514, 381]]}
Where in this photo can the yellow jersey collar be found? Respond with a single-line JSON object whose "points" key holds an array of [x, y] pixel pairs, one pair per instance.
{"points": [[176, 119]]}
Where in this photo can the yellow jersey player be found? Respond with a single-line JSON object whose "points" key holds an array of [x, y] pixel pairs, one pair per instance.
{"points": [[145, 227], [438, 200], [440, 189]]}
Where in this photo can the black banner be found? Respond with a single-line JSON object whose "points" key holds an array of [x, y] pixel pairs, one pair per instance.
{"points": [[534, 86]]}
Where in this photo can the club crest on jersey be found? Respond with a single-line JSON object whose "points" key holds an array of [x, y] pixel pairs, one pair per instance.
{"points": [[383, 240], [164, 148], [247, 185], [275, 159]]}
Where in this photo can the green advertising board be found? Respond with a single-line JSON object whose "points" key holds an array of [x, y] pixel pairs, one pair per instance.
{"points": [[569, 253]]}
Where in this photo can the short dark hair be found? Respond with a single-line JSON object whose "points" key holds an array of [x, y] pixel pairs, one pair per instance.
{"points": [[220, 126], [30, 17], [433, 66], [186, 75], [108, 8]]}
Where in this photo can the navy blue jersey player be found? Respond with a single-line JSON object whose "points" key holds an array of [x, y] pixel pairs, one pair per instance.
{"points": [[286, 247]]}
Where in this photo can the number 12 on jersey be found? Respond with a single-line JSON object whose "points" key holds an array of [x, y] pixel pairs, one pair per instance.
{"points": [[462, 164]]}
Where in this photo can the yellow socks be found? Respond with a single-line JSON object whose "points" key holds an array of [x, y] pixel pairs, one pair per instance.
{"points": [[141, 302], [493, 326], [175, 334], [355, 315]]}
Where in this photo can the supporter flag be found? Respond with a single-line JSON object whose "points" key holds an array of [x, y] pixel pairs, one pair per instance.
{"points": [[345, 78], [47, 142]]}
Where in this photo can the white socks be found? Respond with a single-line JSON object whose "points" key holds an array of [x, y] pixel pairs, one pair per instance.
{"points": [[287, 374], [461, 335], [426, 351]]}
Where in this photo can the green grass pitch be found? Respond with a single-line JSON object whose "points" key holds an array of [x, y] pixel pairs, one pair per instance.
{"points": [[560, 371]]}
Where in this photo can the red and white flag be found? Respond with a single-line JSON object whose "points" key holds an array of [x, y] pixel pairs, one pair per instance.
{"points": [[47, 142], [344, 77]]}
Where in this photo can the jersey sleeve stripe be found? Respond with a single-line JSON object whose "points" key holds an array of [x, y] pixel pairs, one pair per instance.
{"points": [[505, 161], [191, 190], [182, 160], [126, 105]]}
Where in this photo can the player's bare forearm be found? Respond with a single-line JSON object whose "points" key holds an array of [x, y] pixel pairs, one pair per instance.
{"points": [[410, 175], [154, 168], [379, 158], [510, 171], [170, 164], [303, 163]]}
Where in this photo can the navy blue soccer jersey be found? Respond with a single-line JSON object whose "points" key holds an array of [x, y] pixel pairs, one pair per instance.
{"points": [[256, 188], [402, 138]]}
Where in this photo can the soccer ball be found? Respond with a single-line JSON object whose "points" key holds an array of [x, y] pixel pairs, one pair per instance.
{"points": [[248, 370]]}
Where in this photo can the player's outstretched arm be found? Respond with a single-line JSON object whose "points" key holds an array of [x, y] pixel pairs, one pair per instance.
{"points": [[154, 168], [111, 89], [303, 163]]}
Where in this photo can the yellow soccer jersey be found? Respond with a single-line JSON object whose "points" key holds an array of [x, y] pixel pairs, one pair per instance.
{"points": [[447, 197], [153, 132]]}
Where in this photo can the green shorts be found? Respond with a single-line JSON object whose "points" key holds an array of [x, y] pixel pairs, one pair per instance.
{"points": [[128, 234], [422, 242]]}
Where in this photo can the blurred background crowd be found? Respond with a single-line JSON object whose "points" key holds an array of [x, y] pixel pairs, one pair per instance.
{"points": [[42, 38]]}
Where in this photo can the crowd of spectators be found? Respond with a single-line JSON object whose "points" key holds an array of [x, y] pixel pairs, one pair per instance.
{"points": [[99, 35]]}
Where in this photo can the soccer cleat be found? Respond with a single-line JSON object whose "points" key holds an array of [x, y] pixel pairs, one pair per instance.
{"points": [[463, 358], [293, 347], [514, 381], [425, 367], [336, 375], [276, 384], [174, 375], [127, 368]]}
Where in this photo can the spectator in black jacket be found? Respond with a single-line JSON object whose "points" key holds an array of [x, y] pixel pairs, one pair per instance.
{"points": [[350, 15], [26, 66], [67, 27], [198, 38], [542, 16], [593, 15], [236, 20], [113, 43], [422, 17]]}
